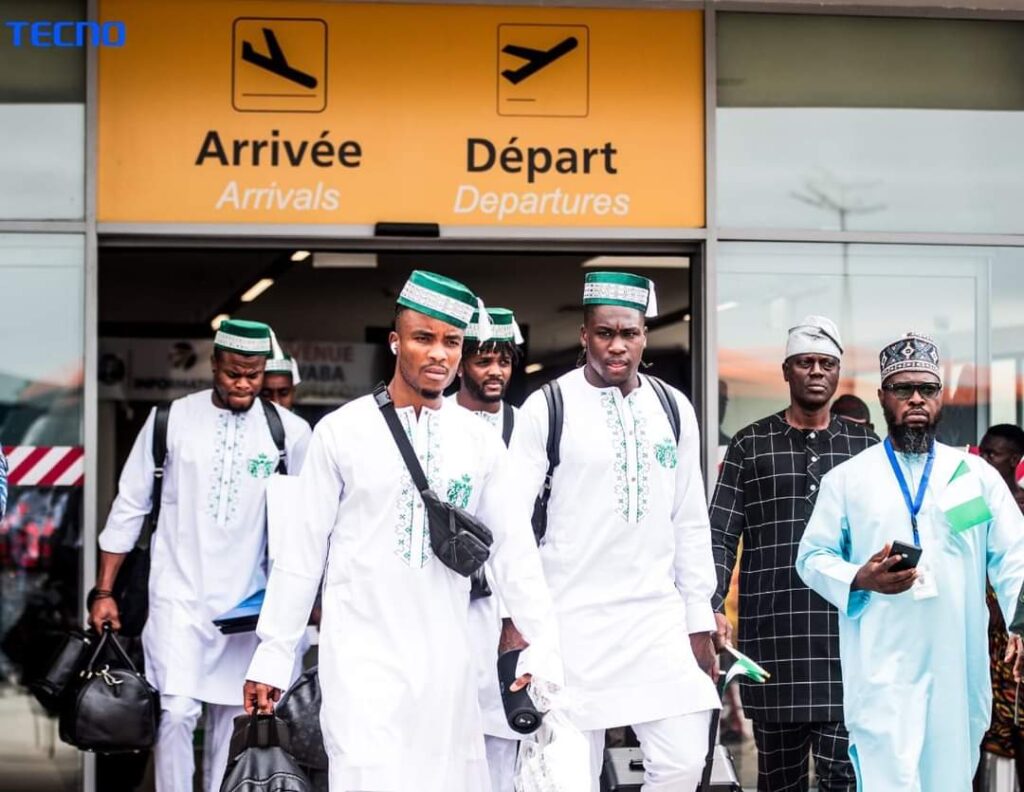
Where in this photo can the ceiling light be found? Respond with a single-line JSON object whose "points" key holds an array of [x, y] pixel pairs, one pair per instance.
{"points": [[215, 322], [301, 255], [257, 289], [728, 306], [344, 260], [533, 368], [638, 262]]}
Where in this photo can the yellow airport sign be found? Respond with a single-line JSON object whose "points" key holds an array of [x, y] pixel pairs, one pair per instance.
{"points": [[258, 112]]}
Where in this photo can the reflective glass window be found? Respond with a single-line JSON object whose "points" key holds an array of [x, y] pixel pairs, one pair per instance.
{"points": [[861, 123], [969, 299], [42, 118], [41, 277]]}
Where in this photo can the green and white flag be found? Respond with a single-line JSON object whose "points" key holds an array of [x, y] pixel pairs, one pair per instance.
{"points": [[962, 501], [744, 667]]}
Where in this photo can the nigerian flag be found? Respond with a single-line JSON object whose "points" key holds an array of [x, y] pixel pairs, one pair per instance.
{"points": [[963, 502], [744, 666]]}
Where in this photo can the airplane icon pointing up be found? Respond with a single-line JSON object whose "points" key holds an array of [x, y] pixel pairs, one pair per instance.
{"points": [[276, 63], [535, 59]]}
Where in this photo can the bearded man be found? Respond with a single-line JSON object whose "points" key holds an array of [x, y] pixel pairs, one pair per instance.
{"points": [[912, 632]]}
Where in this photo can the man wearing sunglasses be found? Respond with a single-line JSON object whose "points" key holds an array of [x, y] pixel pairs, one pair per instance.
{"points": [[912, 623]]}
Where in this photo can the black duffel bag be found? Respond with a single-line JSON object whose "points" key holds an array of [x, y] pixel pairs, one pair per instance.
{"points": [[260, 760], [114, 709], [62, 672], [299, 708]]}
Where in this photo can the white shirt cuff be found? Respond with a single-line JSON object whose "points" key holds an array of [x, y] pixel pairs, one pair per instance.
{"points": [[700, 617], [271, 666]]}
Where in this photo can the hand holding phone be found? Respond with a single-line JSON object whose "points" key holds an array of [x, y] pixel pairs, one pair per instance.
{"points": [[879, 574], [910, 556]]}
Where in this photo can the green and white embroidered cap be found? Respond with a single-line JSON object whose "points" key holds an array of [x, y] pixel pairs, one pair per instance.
{"points": [[443, 298], [284, 365], [621, 288], [244, 337], [504, 327]]}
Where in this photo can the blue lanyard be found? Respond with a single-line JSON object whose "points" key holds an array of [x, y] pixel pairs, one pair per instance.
{"points": [[913, 504]]}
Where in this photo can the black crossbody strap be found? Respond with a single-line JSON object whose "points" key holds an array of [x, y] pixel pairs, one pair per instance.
{"points": [[508, 423], [668, 404], [553, 395], [412, 462], [276, 432], [159, 451]]}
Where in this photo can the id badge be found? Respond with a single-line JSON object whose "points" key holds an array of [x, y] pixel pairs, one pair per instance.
{"points": [[924, 584]]}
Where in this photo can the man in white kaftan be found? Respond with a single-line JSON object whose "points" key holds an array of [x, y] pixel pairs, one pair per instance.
{"points": [[207, 552], [484, 375], [914, 644], [397, 671], [627, 550]]}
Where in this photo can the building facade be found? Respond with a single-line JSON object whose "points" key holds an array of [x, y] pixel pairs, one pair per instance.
{"points": [[764, 160]]}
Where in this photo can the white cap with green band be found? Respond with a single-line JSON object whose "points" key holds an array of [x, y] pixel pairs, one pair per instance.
{"points": [[621, 288]]}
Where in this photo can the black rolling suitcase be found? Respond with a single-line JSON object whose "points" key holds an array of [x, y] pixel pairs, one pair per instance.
{"points": [[624, 771]]}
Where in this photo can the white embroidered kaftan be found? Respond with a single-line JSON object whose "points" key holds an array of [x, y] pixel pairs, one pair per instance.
{"points": [[916, 691], [398, 677], [627, 554], [209, 546]]}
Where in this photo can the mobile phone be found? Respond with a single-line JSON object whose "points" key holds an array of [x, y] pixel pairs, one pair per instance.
{"points": [[911, 555]]}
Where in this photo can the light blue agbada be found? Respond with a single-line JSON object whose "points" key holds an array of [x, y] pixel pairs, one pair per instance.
{"points": [[917, 696]]}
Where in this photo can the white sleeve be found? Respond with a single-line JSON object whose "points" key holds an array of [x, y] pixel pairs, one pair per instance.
{"points": [[134, 495], [528, 449], [823, 556], [696, 578], [505, 507], [295, 578], [297, 441]]}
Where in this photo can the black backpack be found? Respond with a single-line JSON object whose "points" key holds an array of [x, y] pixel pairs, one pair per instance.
{"points": [[556, 413], [131, 587], [260, 758]]}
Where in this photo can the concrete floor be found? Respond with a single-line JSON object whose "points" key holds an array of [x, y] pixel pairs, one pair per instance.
{"points": [[32, 757]]}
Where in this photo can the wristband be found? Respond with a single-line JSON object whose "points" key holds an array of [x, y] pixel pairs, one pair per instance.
{"points": [[97, 594]]}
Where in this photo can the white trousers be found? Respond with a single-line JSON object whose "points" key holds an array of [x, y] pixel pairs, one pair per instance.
{"points": [[674, 750], [501, 762], [174, 759]]}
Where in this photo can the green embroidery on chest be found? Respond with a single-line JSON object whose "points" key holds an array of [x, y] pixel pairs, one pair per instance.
{"points": [[459, 491], [665, 453], [261, 466]]}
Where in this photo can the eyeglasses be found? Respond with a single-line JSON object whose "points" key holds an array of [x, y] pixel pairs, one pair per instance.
{"points": [[904, 390]]}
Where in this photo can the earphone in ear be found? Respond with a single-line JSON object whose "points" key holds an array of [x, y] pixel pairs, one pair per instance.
{"points": [[394, 347]]}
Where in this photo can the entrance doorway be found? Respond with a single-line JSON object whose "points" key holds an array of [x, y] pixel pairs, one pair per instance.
{"points": [[332, 310]]}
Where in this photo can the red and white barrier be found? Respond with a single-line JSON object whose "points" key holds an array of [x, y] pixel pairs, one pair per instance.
{"points": [[45, 466]]}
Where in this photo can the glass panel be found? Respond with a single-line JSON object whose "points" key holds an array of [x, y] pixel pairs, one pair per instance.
{"points": [[874, 293], [40, 536], [42, 119], [857, 123]]}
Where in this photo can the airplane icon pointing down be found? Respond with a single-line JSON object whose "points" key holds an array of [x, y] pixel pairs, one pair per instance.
{"points": [[535, 59], [276, 63]]}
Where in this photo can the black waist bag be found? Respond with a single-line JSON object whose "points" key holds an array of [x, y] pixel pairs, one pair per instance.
{"points": [[260, 761], [459, 540], [115, 710]]}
